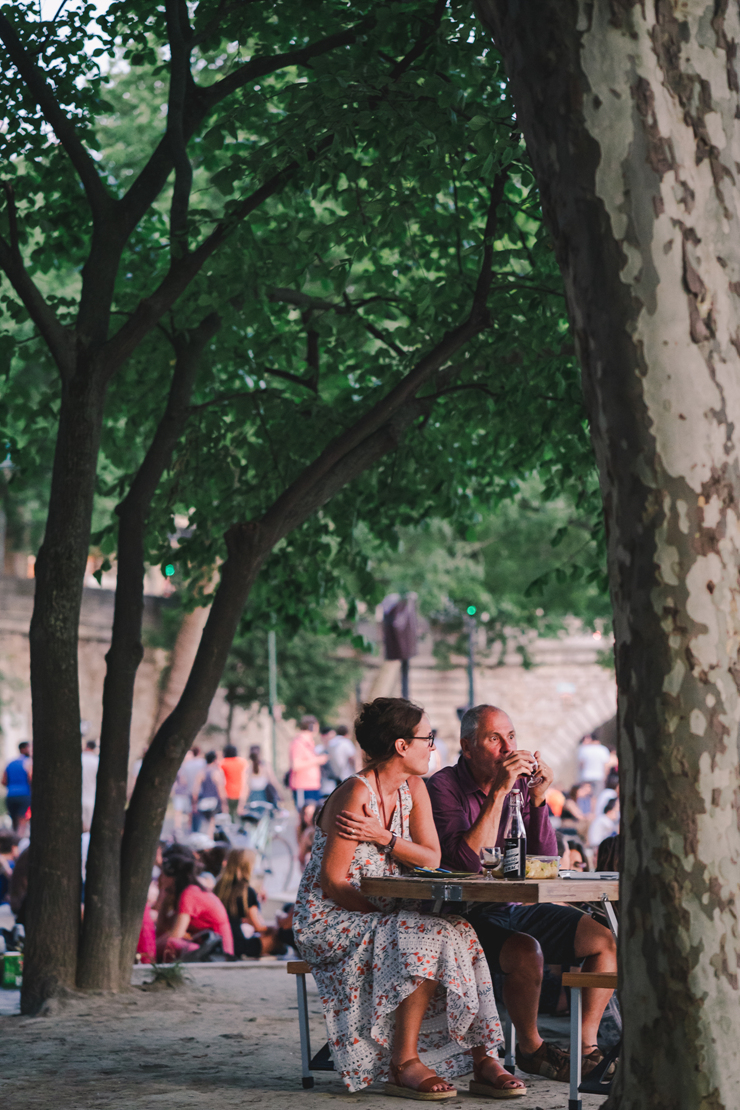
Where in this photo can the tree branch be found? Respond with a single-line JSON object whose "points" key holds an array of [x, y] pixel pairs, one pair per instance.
{"points": [[58, 339], [485, 277], [180, 78], [262, 66], [98, 197]]}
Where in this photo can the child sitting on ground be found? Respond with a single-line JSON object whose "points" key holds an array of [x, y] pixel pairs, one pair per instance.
{"points": [[242, 905]]}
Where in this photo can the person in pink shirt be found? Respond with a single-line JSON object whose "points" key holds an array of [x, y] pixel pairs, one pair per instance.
{"points": [[306, 763], [196, 909]]}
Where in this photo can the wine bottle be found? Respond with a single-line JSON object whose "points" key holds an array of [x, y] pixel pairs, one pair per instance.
{"points": [[515, 840]]}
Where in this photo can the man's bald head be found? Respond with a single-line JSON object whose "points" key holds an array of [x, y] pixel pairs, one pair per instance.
{"points": [[472, 720]]}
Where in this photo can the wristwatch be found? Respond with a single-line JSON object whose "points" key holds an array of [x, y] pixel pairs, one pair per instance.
{"points": [[391, 843]]}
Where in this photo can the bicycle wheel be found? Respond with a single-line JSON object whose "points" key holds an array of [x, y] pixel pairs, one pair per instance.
{"points": [[280, 866]]}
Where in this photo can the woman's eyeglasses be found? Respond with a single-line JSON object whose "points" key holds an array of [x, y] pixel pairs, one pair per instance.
{"points": [[429, 739]]}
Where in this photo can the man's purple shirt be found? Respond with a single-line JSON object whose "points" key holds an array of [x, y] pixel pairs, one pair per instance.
{"points": [[457, 801]]}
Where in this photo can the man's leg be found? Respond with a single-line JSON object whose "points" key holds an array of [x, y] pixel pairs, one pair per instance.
{"points": [[521, 962], [596, 946]]}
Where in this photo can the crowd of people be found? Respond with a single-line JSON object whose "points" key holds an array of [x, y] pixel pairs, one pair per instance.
{"points": [[587, 816]]}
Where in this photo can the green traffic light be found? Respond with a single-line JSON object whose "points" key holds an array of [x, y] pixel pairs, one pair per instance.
{"points": [[471, 610], [169, 570]]}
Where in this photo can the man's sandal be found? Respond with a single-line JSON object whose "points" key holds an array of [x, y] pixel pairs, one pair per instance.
{"points": [[495, 1088], [423, 1093], [548, 1061], [592, 1059]]}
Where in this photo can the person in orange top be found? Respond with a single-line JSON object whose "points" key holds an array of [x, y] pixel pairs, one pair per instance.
{"points": [[235, 769]]}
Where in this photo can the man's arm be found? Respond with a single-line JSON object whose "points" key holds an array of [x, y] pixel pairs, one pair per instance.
{"points": [[451, 818]]}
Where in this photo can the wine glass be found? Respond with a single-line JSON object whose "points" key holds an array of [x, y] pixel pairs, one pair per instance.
{"points": [[491, 858]]}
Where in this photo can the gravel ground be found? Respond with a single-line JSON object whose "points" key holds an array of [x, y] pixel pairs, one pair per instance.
{"points": [[229, 1038]]}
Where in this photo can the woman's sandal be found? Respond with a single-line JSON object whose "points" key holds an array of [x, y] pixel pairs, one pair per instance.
{"points": [[495, 1088], [423, 1092]]}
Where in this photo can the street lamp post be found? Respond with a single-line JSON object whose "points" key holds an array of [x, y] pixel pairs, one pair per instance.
{"points": [[470, 621], [272, 690]]}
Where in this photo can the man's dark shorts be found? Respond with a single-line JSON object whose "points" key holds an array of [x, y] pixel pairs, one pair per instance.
{"points": [[553, 926], [17, 807]]}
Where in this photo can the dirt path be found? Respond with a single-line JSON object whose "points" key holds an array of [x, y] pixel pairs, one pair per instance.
{"points": [[227, 1040]]}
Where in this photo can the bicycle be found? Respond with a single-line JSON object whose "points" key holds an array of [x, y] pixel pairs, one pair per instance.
{"points": [[260, 828]]}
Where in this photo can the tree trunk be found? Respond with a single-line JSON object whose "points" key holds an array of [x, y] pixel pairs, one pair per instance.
{"points": [[101, 935], [630, 116], [54, 879], [247, 546]]}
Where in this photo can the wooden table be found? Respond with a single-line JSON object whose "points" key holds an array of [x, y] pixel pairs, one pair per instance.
{"points": [[479, 888]]}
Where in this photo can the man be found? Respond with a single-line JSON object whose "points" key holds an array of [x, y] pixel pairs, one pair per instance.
{"points": [[236, 776], [306, 763], [594, 760], [470, 801], [17, 780], [90, 761], [342, 754]]}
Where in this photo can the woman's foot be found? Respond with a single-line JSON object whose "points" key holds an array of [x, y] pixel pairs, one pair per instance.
{"points": [[492, 1080], [412, 1079]]}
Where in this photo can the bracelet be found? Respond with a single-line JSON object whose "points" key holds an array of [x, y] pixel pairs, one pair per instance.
{"points": [[391, 843]]}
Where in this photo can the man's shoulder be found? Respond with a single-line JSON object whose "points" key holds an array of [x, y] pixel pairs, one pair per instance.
{"points": [[444, 781]]}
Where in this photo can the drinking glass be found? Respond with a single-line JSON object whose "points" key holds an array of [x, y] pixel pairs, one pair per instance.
{"points": [[491, 858]]}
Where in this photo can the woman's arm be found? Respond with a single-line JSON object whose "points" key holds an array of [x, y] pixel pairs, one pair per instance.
{"points": [[339, 850], [197, 785], [421, 851], [256, 920], [180, 927]]}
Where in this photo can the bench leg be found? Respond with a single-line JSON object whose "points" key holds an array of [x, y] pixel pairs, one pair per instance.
{"points": [[574, 1102], [509, 1044], [304, 1031], [611, 917]]}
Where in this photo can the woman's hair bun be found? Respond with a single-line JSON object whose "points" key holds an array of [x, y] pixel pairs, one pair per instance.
{"points": [[383, 721]]}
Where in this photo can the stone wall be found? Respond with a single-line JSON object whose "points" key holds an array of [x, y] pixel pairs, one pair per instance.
{"points": [[563, 695]]}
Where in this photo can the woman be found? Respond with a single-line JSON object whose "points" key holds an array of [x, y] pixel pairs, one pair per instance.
{"points": [[379, 971], [242, 905], [209, 794], [263, 784], [195, 909]]}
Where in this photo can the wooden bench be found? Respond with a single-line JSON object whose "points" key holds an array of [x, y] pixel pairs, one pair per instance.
{"points": [[322, 1061], [577, 980]]}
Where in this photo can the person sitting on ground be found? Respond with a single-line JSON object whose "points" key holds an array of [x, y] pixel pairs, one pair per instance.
{"points": [[396, 985], [196, 909], [579, 860], [605, 825], [609, 855], [18, 888], [243, 907], [470, 802], [611, 790], [573, 819], [8, 856], [235, 769]]}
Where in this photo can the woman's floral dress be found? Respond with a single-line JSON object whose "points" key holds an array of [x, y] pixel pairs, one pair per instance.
{"points": [[365, 964]]}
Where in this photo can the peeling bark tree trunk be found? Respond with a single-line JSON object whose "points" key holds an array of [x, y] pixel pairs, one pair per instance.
{"points": [[630, 113]]}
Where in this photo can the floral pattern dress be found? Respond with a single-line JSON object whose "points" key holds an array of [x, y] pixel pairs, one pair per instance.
{"points": [[365, 964]]}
